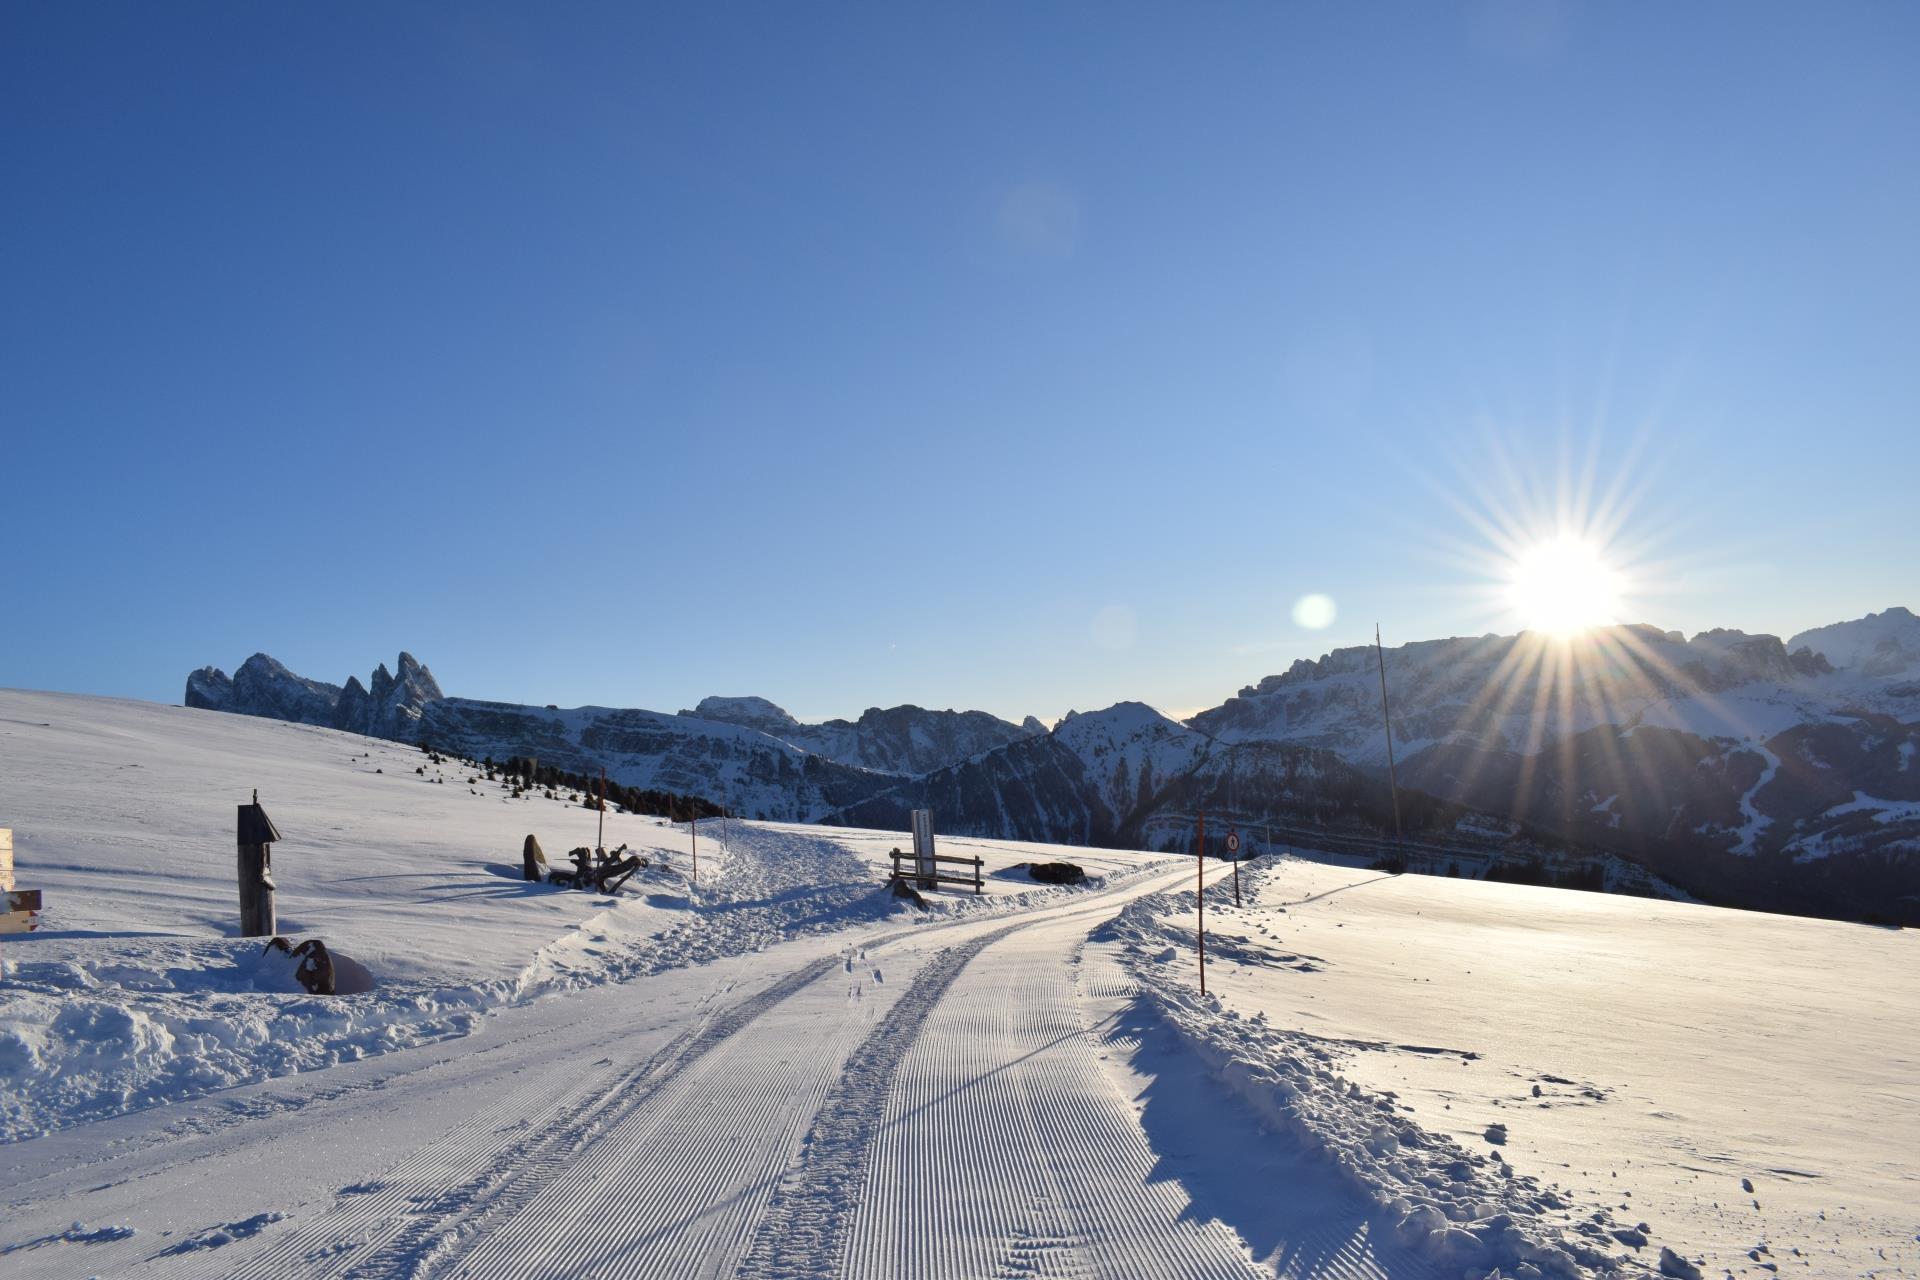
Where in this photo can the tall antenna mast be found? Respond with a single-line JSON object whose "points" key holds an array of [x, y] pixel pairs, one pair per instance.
{"points": [[1393, 783]]}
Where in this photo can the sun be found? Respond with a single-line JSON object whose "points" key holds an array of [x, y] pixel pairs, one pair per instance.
{"points": [[1563, 586]]}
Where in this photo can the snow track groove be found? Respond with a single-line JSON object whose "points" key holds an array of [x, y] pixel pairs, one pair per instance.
{"points": [[402, 1230], [1007, 1151], [806, 1220]]}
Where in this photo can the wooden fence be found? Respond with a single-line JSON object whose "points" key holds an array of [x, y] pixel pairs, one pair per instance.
{"points": [[914, 876]]}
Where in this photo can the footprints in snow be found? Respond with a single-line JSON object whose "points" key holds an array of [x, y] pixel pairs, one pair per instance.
{"points": [[225, 1234]]}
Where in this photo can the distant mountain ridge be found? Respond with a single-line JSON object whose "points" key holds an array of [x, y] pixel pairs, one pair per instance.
{"points": [[1747, 770], [906, 740], [746, 754]]}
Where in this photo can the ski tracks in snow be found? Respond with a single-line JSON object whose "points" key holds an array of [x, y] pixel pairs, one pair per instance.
{"points": [[952, 1118], [496, 1163], [806, 1220]]}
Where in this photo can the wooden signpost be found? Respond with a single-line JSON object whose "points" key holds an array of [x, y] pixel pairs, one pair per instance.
{"points": [[256, 835], [923, 854]]}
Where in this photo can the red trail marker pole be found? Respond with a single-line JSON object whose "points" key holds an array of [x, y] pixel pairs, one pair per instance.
{"points": [[1200, 899]]}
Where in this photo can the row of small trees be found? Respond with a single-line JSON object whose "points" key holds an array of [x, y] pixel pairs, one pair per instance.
{"points": [[644, 800]]}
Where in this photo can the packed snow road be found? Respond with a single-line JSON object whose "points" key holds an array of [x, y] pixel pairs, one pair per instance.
{"points": [[910, 1100]]}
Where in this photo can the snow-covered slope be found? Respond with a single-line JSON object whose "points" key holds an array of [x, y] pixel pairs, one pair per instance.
{"points": [[1734, 1086], [1393, 1076], [135, 989]]}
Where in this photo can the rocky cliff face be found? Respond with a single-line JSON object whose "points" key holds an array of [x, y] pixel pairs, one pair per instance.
{"points": [[904, 740], [751, 773], [1130, 777]]}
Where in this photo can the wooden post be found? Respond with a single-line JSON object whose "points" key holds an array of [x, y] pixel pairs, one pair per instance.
{"points": [[693, 832], [257, 918], [1236, 876], [1200, 899], [600, 840]]}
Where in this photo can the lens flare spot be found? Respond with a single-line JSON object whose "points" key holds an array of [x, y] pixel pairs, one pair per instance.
{"points": [[1315, 612]]}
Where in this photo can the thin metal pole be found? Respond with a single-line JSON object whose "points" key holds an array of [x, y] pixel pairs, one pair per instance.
{"points": [[600, 840], [1236, 877], [1393, 782], [1200, 899], [693, 830]]}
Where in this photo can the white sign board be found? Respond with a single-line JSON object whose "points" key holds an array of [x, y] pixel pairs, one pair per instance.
{"points": [[923, 845]]}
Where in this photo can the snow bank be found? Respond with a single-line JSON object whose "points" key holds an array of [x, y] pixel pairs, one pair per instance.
{"points": [[1471, 1214]]}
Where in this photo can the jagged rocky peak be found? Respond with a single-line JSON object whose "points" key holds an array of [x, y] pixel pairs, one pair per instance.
{"points": [[264, 687], [1033, 726], [209, 688]]}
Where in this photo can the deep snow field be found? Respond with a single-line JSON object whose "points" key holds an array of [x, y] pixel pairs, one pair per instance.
{"points": [[1746, 1084], [784, 1071]]}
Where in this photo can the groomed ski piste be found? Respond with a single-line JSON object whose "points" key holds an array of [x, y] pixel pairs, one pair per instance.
{"points": [[781, 1070]]}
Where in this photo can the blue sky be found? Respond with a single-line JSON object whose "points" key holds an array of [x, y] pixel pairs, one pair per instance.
{"points": [[1021, 357]]}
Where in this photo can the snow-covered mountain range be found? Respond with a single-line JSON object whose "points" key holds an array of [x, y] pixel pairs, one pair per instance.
{"points": [[905, 740], [744, 753], [1745, 769]]}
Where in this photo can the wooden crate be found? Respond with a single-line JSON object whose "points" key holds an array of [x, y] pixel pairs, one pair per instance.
{"points": [[23, 911]]}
